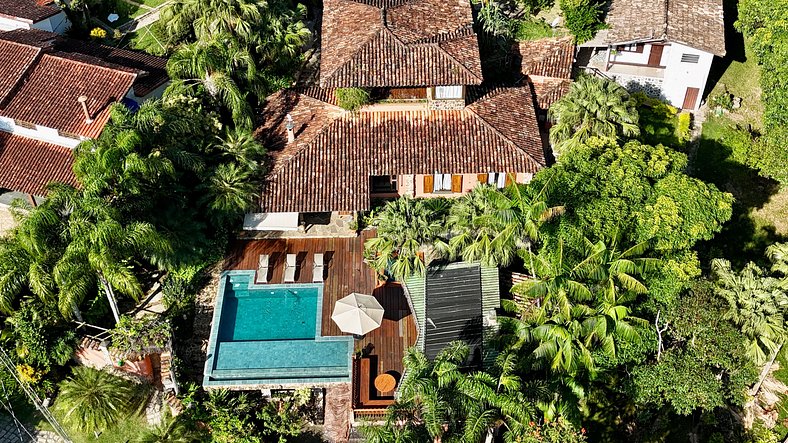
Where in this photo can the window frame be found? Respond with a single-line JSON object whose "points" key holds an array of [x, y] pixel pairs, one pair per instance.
{"points": [[460, 96], [690, 58]]}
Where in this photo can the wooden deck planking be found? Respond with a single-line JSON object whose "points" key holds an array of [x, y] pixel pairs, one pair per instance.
{"points": [[345, 272]]}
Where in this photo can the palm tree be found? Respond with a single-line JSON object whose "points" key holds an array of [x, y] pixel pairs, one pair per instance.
{"points": [[93, 400], [757, 305], [241, 147], [220, 67], [28, 256], [490, 225], [270, 28], [170, 430], [230, 191], [483, 227], [594, 107], [408, 233], [574, 308], [99, 249]]}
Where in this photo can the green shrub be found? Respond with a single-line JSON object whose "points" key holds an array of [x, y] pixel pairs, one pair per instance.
{"points": [[583, 18], [722, 100], [352, 99], [531, 29], [137, 337], [683, 129], [742, 143]]}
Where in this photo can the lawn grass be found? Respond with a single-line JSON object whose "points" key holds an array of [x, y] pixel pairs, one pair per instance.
{"points": [[761, 204], [151, 3]]}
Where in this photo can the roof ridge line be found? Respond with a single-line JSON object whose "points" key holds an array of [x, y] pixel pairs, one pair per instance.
{"points": [[454, 59], [494, 129], [25, 75], [355, 54], [71, 60]]}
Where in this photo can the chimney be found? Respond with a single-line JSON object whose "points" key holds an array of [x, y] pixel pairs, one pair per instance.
{"points": [[290, 132], [82, 99]]}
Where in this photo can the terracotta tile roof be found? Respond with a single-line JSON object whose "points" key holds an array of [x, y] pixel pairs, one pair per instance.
{"points": [[398, 43], [549, 90], [49, 95], [546, 57], [27, 165], [151, 70], [695, 23], [328, 167], [29, 10], [16, 60]]}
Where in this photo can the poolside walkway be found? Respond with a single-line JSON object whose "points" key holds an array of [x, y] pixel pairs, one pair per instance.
{"points": [[345, 272]]}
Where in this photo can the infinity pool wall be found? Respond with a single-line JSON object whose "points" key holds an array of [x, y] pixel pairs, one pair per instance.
{"points": [[270, 335]]}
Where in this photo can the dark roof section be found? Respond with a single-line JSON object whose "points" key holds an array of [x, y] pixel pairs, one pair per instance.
{"points": [[328, 166], [28, 165], [695, 23], [547, 63], [32, 11], [398, 43], [454, 310]]}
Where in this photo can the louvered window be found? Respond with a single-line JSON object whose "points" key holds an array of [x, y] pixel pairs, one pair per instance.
{"points": [[448, 92], [24, 124], [690, 58]]}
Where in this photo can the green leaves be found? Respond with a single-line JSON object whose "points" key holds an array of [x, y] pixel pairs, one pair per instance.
{"points": [[594, 107]]}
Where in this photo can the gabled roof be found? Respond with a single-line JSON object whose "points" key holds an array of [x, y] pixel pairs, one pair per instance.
{"points": [[398, 43], [28, 165], [696, 23], [547, 63], [28, 10], [335, 153], [546, 57], [47, 73]]}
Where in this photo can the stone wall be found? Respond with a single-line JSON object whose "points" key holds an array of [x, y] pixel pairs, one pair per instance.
{"points": [[652, 87], [446, 105]]}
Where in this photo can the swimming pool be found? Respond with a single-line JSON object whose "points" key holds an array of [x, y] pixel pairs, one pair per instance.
{"points": [[270, 334]]}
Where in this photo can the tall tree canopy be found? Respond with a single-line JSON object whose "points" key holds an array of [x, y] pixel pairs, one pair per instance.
{"points": [[594, 107]]}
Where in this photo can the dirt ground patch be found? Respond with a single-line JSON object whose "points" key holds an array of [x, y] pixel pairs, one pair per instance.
{"points": [[6, 220]]}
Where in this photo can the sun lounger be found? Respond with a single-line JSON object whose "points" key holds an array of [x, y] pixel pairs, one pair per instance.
{"points": [[317, 272], [290, 268], [262, 269]]}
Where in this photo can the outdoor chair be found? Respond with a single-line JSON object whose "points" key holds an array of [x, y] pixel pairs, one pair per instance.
{"points": [[262, 269], [290, 268], [317, 271]]}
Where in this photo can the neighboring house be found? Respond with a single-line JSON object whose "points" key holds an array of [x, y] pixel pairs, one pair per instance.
{"points": [[662, 47], [32, 14], [55, 93], [435, 131]]}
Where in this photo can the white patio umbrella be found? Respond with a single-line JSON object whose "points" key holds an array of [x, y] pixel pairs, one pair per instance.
{"points": [[357, 314]]}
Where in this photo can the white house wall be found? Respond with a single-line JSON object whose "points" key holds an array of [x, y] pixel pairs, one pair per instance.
{"points": [[680, 75], [57, 23], [42, 133], [638, 58], [9, 24]]}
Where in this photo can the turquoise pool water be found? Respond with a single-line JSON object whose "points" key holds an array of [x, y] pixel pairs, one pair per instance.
{"points": [[281, 313], [270, 334]]}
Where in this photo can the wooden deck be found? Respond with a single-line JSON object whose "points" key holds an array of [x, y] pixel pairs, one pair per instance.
{"points": [[345, 272]]}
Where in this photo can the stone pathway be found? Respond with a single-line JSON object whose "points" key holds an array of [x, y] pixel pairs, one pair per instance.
{"points": [[9, 433], [193, 351]]}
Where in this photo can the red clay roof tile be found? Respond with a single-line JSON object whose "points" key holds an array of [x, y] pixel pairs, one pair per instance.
{"points": [[398, 43], [28, 165], [16, 60], [328, 167], [29, 10], [49, 95], [547, 57]]}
